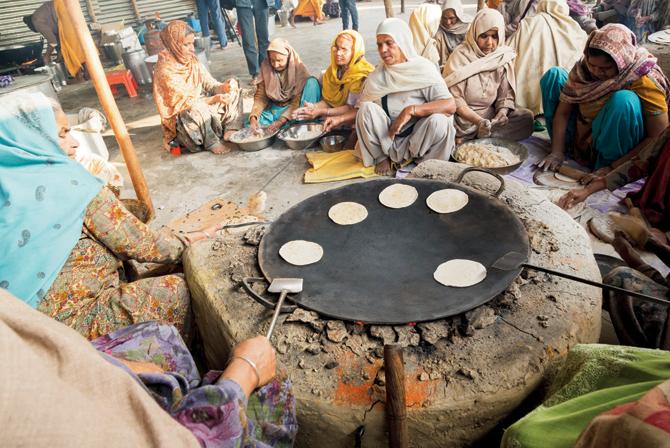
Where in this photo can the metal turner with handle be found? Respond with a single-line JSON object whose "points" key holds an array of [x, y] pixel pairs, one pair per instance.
{"points": [[515, 260], [283, 286]]}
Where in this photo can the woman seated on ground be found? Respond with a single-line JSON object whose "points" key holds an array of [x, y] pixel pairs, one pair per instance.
{"points": [[614, 103], [548, 39], [451, 32], [405, 109], [285, 85], [423, 23], [151, 393], [63, 236], [515, 11], [194, 121], [342, 83], [603, 396], [312, 9], [481, 77]]}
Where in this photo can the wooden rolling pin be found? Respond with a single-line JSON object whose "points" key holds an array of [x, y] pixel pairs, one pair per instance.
{"points": [[396, 408], [573, 173]]}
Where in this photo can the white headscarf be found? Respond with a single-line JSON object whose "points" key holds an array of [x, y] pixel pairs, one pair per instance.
{"points": [[468, 60], [423, 23], [416, 73], [457, 6]]}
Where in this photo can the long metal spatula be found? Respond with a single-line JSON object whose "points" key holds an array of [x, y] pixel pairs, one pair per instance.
{"points": [[515, 260], [283, 286]]}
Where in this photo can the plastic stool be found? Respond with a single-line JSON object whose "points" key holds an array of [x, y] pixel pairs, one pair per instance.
{"points": [[124, 77]]}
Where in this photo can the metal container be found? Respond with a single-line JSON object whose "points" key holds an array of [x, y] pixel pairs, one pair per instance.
{"points": [[301, 136], [134, 61], [516, 148], [332, 143], [31, 84], [254, 145], [113, 51], [57, 71], [151, 63], [202, 58], [203, 44]]}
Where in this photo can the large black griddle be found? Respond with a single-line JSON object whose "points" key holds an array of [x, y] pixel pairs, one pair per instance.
{"points": [[381, 270]]}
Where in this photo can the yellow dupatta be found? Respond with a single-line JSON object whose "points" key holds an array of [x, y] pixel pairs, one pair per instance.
{"points": [[336, 90]]}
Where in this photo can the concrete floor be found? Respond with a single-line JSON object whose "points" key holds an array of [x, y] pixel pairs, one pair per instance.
{"points": [[181, 184]]}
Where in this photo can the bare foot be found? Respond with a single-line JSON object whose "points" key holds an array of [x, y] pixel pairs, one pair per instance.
{"points": [[384, 168], [220, 148], [625, 249]]}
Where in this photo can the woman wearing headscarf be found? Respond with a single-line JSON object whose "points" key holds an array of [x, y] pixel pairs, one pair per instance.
{"points": [[451, 32], [196, 111], [423, 23], [342, 83], [285, 85], [63, 236], [613, 103], [405, 109], [548, 39], [515, 11], [135, 387], [480, 74]]}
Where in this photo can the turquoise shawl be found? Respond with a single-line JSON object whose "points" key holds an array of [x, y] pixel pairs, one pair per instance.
{"points": [[43, 198]]}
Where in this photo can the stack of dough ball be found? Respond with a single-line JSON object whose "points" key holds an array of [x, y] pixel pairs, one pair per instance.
{"points": [[347, 213], [398, 196], [486, 156], [448, 200], [301, 252], [460, 273]]}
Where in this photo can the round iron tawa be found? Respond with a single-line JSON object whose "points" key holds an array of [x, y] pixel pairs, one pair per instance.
{"points": [[381, 270]]}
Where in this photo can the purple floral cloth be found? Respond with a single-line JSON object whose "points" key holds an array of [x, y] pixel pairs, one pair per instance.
{"points": [[216, 412]]}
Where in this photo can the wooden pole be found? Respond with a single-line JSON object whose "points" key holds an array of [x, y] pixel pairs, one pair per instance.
{"points": [[481, 4], [402, 6], [97, 73], [91, 10], [388, 6], [396, 409], [136, 8]]}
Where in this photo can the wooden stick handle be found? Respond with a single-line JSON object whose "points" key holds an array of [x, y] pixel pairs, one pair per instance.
{"points": [[97, 73], [396, 408], [388, 7]]}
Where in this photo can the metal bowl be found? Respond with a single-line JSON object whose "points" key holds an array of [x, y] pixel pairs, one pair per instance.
{"points": [[517, 149], [253, 145], [332, 143], [301, 136]]}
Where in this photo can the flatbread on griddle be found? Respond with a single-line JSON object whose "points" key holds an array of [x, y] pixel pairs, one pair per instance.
{"points": [[460, 273], [347, 213], [398, 196], [301, 252], [448, 200]]}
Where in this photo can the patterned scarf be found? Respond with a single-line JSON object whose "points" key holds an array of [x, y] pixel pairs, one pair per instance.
{"points": [[178, 78], [632, 61], [283, 86]]}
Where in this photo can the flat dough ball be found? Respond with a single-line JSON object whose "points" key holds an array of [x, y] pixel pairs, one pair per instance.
{"points": [[448, 200], [460, 273], [301, 252], [564, 178], [398, 196], [347, 213]]}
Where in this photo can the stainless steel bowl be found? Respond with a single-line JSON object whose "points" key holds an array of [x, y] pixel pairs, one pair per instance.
{"points": [[254, 145], [332, 143], [516, 148], [301, 136]]}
